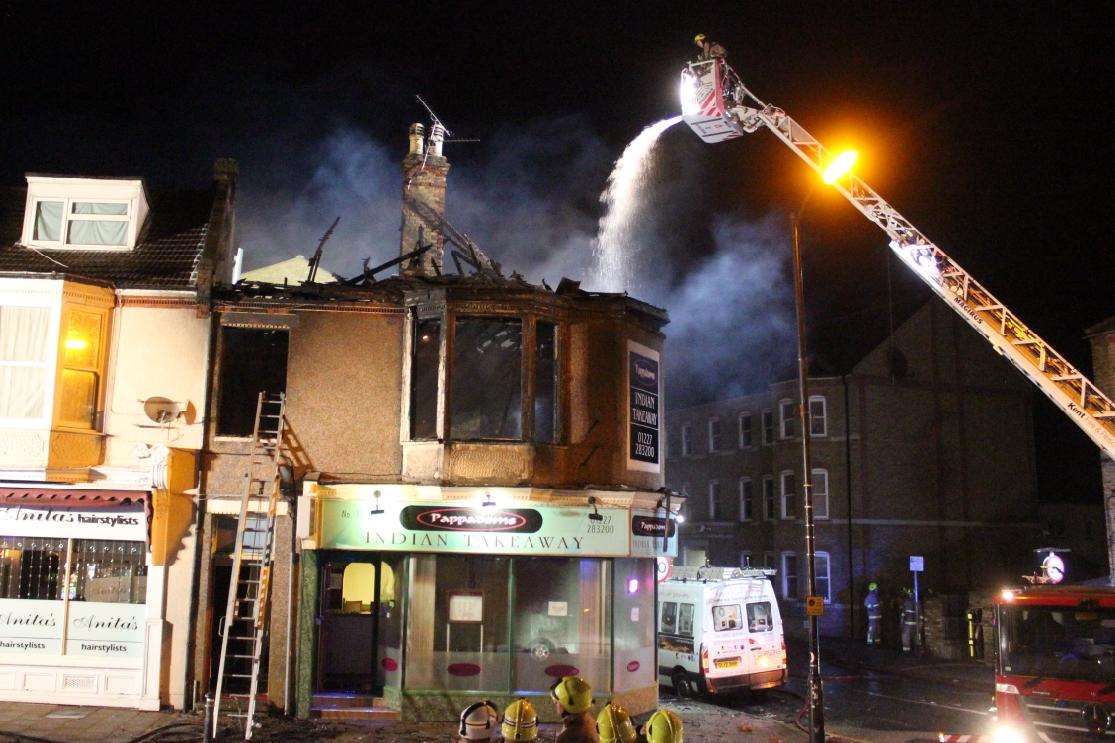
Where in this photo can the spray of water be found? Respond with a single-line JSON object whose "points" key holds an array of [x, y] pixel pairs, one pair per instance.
{"points": [[614, 249]]}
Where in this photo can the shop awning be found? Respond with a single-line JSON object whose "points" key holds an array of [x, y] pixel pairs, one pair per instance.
{"points": [[78, 498], [75, 497]]}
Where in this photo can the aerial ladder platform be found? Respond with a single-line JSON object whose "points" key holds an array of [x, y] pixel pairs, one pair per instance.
{"points": [[244, 628], [717, 106]]}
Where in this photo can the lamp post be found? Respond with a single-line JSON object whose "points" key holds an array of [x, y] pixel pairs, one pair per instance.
{"points": [[837, 169]]}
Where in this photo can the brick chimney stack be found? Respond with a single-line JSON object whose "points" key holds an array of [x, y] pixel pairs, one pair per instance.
{"points": [[425, 170]]}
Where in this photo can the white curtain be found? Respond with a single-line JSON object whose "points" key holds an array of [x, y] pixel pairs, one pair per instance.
{"points": [[24, 349], [48, 220], [83, 232], [96, 207]]}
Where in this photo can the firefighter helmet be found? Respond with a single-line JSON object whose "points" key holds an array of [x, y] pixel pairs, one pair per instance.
{"points": [[478, 720], [872, 586], [573, 693], [519, 721], [699, 39], [664, 726], [613, 724]]}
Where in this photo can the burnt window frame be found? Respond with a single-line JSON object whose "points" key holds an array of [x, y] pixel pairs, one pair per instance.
{"points": [[448, 317], [218, 381]]}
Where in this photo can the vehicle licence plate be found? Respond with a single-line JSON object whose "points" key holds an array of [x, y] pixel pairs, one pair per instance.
{"points": [[726, 662]]}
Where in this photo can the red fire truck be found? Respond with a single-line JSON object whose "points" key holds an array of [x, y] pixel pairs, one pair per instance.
{"points": [[1055, 678]]}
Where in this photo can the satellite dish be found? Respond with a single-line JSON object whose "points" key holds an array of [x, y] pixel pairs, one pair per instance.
{"points": [[161, 410]]}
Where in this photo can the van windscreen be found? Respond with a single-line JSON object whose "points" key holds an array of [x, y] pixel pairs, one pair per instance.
{"points": [[726, 617], [759, 618]]}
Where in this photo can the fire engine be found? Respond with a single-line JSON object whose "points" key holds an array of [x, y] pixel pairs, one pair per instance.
{"points": [[1055, 675]]}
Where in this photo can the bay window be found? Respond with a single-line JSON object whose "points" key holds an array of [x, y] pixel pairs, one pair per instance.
{"points": [[487, 387], [25, 361], [503, 373]]}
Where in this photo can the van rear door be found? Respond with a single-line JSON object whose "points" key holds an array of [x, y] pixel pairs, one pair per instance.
{"points": [[764, 635]]}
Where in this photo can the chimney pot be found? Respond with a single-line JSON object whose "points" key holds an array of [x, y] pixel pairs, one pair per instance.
{"points": [[437, 136], [416, 143]]}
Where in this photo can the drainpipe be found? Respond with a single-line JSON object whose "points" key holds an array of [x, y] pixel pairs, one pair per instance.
{"points": [[848, 492], [199, 517]]}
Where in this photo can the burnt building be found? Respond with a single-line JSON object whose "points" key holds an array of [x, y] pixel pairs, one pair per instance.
{"points": [[476, 476], [922, 446]]}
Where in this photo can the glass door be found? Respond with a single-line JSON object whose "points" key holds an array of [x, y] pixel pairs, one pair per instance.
{"points": [[348, 624]]}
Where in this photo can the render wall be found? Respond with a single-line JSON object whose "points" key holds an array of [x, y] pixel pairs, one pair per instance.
{"points": [[157, 351]]}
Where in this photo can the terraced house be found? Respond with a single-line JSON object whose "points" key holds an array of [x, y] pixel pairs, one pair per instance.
{"points": [[104, 342]]}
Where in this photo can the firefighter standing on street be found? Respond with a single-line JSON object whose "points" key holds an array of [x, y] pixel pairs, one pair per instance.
{"points": [[573, 697], [909, 621], [874, 613]]}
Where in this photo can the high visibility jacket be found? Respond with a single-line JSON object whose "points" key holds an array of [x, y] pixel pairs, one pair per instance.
{"points": [[871, 602], [909, 611]]}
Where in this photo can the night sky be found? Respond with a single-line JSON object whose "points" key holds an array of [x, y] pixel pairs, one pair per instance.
{"points": [[986, 125]]}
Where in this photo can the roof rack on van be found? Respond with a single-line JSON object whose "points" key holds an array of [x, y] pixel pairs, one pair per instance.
{"points": [[709, 572]]}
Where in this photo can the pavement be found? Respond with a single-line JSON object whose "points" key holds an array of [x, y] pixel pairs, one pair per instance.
{"points": [[856, 656], [871, 694], [705, 722]]}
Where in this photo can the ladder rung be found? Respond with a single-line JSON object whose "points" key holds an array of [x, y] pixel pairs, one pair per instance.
{"points": [[252, 638], [1026, 342], [236, 655], [1066, 378], [1105, 414], [238, 675]]}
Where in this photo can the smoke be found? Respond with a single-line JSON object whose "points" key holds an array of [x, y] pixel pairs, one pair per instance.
{"points": [[529, 196]]}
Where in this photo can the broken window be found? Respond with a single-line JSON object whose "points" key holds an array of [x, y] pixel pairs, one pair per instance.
{"points": [[487, 375], [253, 360], [545, 382], [425, 356]]}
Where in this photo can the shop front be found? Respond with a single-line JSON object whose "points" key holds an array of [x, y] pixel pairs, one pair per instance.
{"points": [[431, 598], [74, 596]]}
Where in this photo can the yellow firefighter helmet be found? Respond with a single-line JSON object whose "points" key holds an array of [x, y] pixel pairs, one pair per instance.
{"points": [[613, 724], [664, 726], [699, 39], [573, 693], [519, 721]]}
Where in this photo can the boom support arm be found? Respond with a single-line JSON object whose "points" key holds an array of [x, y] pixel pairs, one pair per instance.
{"points": [[721, 107]]}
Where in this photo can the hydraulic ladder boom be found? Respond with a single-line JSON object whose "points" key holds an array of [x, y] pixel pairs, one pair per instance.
{"points": [[720, 107]]}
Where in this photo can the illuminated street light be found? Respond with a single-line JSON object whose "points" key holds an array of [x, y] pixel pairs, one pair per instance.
{"points": [[839, 166]]}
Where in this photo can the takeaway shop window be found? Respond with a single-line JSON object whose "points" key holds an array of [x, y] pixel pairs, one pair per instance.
{"points": [[726, 617], [685, 620], [32, 568], [759, 617], [253, 360], [425, 355], [669, 620], [487, 388], [545, 381]]}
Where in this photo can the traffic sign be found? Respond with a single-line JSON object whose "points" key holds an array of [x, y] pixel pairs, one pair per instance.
{"points": [[917, 563], [814, 606]]}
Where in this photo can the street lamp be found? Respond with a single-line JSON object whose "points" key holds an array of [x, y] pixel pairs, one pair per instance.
{"points": [[837, 169]]}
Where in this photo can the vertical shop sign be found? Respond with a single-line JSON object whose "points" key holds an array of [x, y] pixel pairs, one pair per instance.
{"points": [[644, 451]]}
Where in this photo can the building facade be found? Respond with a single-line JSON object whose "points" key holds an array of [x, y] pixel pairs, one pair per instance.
{"points": [[478, 475], [929, 456], [1102, 338], [104, 358]]}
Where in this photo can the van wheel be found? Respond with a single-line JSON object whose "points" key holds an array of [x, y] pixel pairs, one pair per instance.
{"points": [[683, 687]]}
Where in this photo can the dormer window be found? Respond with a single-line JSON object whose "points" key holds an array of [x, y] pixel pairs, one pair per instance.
{"points": [[83, 213]]}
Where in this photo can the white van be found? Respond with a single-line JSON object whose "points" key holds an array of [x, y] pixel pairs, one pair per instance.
{"points": [[719, 630]]}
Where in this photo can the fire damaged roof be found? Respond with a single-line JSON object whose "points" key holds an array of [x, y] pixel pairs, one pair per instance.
{"points": [[168, 249], [394, 290]]}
